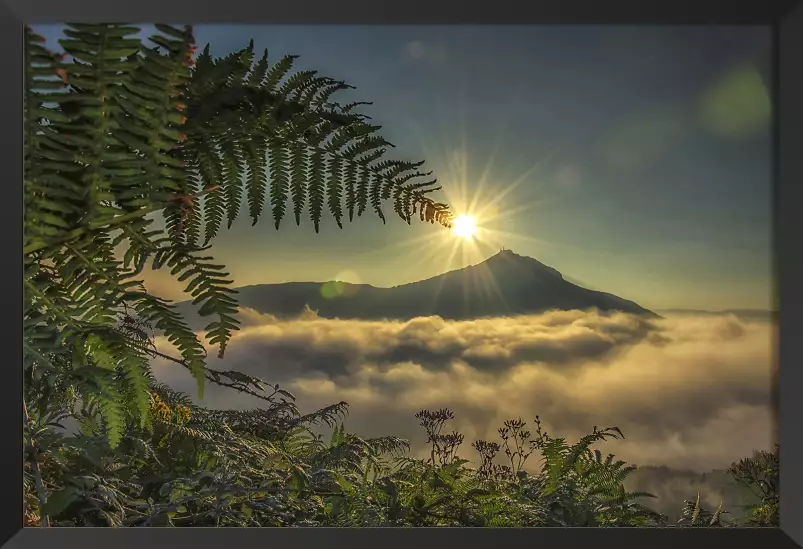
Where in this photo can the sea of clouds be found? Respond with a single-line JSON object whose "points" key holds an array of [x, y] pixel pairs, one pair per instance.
{"points": [[689, 392]]}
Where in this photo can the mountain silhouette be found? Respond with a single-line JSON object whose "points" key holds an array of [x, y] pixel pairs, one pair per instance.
{"points": [[506, 284]]}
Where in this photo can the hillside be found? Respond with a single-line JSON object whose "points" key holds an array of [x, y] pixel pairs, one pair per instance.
{"points": [[506, 284]]}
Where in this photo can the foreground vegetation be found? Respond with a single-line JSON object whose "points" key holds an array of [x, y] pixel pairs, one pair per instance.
{"points": [[122, 132], [193, 466]]}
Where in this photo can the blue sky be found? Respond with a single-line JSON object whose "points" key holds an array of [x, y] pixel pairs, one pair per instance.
{"points": [[642, 155]]}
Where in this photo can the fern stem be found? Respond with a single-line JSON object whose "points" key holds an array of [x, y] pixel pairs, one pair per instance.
{"points": [[33, 457], [211, 375]]}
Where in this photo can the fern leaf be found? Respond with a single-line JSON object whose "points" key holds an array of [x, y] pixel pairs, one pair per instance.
{"points": [[278, 71], [364, 178], [350, 182], [298, 179], [280, 180], [257, 182], [376, 195], [316, 187], [333, 190]]}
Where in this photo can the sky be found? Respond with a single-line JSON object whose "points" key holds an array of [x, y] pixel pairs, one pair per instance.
{"points": [[635, 160]]}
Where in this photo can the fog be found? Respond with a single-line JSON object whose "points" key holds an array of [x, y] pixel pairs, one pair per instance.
{"points": [[690, 392]]}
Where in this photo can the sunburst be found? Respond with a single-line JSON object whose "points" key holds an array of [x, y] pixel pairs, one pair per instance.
{"points": [[479, 201], [464, 226]]}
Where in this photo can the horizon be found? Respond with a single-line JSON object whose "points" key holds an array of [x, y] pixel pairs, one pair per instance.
{"points": [[565, 277]]}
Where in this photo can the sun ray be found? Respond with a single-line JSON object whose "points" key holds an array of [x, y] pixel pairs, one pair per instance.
{"points": [[397, 244], [486, 172], [464, 261], [429, 255], [539, 241], [491, 281], [442, 280], [501, 235], [499, 196], [530, 207], [477, 203]]}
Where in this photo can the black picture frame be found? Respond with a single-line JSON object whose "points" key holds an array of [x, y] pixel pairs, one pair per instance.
{"points": [[785, 17]]}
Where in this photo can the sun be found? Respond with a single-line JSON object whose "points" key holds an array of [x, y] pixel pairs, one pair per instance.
{"points": [[464, 226]]}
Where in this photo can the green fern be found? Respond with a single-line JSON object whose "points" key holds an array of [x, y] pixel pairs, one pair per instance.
{"points": [[130, 129]]}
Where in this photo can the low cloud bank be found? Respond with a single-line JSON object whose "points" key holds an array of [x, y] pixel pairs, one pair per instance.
{"points": [[690, 393]]}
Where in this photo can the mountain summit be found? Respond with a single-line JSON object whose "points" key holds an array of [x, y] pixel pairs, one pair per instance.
{"points": [[506, 284]]}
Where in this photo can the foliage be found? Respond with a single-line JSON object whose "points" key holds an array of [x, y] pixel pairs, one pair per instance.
{"points": [[271, 466], [198, 467], [694, 514], [761, 475], [121, 132]]}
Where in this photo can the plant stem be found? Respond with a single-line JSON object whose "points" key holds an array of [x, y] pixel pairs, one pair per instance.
{"points": [[33, 455]]}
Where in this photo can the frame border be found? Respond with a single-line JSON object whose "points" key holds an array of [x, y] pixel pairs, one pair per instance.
{"points": [[788, 185], [786, 19], [11, 459], [448, 12], [402, 538]]}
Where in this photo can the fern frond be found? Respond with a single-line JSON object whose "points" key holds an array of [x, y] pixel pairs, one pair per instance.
{"points": [[316, 187], [279, 168], [278, 71], [133, 129], [257, 182], [298, 179]]}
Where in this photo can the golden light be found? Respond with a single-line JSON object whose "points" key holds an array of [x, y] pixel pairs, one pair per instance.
{"points": [[464, 226], [483, 198]]}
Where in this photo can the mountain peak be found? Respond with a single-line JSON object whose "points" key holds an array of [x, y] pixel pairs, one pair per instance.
{"points": [[507, 258], [506, 252]]}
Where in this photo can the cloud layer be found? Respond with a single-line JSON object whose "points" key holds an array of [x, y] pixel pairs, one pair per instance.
{"points": [[688, 392]]}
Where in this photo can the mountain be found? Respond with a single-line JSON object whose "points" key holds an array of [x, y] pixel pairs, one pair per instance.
{"points": [[672, 486], [506, 284], [745, 315]]}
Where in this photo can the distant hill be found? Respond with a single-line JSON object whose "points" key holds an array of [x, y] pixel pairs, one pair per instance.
{"points": [[506, 284], [673, 486], [747, 315]]}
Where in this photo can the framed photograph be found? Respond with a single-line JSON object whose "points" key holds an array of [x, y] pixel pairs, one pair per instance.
{"points": [[364, 273]]}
